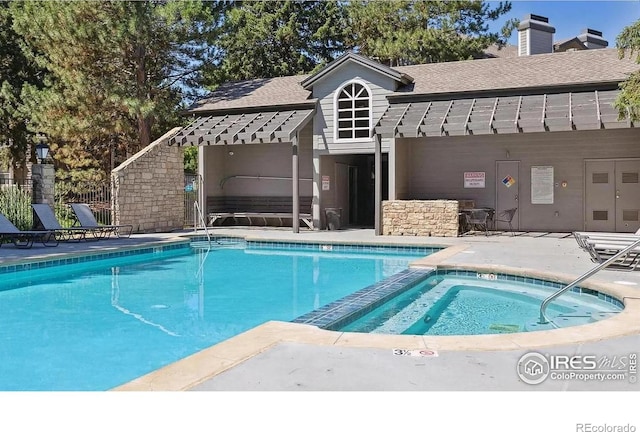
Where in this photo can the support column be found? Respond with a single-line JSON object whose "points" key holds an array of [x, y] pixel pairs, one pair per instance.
{"points": [[378, 186], [295, 176], [43, 179]]}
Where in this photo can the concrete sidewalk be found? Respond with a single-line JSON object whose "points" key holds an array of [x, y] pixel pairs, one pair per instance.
{"points": [[295, 366]]}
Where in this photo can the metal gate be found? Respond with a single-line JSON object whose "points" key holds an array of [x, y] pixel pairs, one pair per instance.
{"points": [[192, 187]]}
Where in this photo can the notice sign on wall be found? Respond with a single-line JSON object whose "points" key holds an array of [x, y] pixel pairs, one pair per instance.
{"points": [[326, 183], [541, 185], [474, 179]]}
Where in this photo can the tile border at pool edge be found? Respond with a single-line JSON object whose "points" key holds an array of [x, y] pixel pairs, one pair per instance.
{"points": [[73, 257], [183, 240]]}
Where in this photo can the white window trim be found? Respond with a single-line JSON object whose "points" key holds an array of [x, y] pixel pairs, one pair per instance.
{"points": [[336, 136]]}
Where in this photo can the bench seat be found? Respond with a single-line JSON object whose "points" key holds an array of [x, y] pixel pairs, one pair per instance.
{"points": [[249, 208]]}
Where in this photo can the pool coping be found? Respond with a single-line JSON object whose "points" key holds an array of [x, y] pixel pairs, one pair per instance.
{"points": [[206, 364]]}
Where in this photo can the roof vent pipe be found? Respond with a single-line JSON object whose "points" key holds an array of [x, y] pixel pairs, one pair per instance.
{"points": [[535, 35]]}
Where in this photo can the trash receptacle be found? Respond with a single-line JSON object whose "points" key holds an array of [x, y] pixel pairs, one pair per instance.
{"points": [[333, 217]]}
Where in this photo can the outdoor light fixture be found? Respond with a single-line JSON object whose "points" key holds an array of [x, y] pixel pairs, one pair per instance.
{"points": [[230, 152], [42, 151]]}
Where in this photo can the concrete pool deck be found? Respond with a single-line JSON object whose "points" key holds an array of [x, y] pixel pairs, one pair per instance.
{"points": [[286, 356]]}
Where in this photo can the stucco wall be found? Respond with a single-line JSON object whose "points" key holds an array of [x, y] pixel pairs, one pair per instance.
{"points": [[262, 169], [435, 169], [148, 189], [437, 218]]}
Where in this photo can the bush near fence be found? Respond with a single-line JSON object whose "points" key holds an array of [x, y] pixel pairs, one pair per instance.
{"points": [[15, 203]]}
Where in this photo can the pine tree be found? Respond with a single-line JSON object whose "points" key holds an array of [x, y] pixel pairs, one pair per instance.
{"points": [[264, 39], [116, 73], [628, 43], [399, 32], [16, 70]]}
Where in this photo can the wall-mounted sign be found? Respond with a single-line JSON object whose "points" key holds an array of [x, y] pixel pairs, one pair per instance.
{"points": [[541, 185], [326, 183], [508, 181], [474, 179]]}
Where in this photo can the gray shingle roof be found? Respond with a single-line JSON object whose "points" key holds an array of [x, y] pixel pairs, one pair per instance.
{"points": [[540, 70], [493, 51], [536, 71], [255, 93]]}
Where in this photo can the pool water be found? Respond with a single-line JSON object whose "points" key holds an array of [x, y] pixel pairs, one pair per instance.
{"points": [[458, 305], [96, 325]]}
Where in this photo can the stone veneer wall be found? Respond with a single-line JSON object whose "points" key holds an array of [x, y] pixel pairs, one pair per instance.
{"points": [[438, 218], [147, 190]]}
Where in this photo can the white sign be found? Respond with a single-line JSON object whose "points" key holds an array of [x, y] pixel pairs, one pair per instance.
{"points": [[325, 182], [541, 185], [474, 179]]}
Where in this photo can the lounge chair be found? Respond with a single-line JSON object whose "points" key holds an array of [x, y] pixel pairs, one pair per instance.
{"points": [[85, 217], [24, 239], [583, 236], [44, 218], [601, 246]]}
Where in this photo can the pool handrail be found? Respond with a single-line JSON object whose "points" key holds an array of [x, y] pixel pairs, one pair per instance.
{"points": [[607, 263], [198, 212]]}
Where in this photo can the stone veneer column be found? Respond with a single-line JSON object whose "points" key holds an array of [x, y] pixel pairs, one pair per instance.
{"points": [[437, 218], [43, 181], [147, 190]]}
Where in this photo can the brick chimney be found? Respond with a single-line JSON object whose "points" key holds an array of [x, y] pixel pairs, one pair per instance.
{"points": [[592, 39], [535, 35]]}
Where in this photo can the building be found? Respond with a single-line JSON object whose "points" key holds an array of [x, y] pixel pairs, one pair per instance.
{"points": [[537, 131]]}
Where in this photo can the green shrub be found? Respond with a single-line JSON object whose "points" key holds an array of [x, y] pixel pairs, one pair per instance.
{"points": [[15, 204]]}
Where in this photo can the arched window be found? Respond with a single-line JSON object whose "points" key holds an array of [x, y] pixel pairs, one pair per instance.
{"points": [[353, 112]]}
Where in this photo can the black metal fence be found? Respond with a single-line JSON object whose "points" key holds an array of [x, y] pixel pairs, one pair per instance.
{"points": [[16, 199], [97, 195]]}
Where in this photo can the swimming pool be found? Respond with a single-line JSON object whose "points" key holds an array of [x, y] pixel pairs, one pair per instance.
{"points": [[95, 322], [467, 303]]}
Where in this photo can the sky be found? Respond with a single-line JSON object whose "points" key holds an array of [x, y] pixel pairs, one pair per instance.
{"points": [[570, 17]]}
